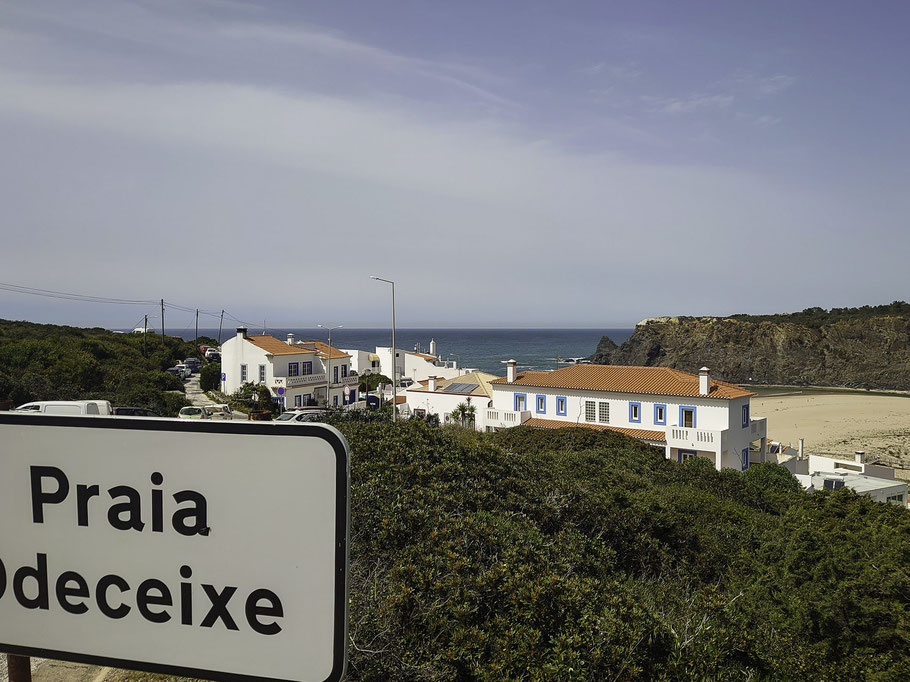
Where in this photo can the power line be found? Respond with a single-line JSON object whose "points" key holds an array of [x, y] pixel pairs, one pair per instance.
{"points": [[70, 296]]}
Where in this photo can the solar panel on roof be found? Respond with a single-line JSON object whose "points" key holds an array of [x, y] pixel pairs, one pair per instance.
{"points": [[460, 388]]}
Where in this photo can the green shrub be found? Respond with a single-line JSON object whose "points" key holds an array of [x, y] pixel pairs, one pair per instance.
{"points": [[210, 377]]}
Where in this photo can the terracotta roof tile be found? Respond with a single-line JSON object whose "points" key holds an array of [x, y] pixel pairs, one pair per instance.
{"points": [[643, 434], [425, 356], [622, 379], [274, 346]]}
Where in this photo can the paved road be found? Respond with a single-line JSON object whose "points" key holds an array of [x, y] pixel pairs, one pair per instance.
{"points": [[198, 397]]}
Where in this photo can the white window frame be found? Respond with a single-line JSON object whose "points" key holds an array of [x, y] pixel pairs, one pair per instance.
{"points": [[261, 374], [603, 412], [243, 374]]}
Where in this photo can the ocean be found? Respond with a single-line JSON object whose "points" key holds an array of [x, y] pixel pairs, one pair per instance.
{"points": [[482, 349]]}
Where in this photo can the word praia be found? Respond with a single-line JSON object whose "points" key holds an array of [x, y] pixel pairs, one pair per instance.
{"points": [[153, 598], [125, 515]]}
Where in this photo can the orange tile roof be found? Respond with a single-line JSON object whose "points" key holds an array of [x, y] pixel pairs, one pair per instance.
{"points": [[425, 356], [643, 434], [273, 346], [622, 379]]}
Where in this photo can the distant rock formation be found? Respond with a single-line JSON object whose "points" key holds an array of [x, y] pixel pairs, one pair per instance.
{"points": [[858, 348]]}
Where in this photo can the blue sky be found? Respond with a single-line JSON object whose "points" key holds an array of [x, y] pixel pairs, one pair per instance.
{"points": [[508, 164]]}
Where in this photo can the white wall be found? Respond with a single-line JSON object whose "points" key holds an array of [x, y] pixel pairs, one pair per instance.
{"points": [[237, 351], [710, 414], [440, 403]]}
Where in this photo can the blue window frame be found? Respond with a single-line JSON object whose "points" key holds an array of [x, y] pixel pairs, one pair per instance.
{"points": [[561, 405], [683, 455], [687, 417], [745, 416], [541, 404], [745, 458], [298, 401], [344, 370], [335, 400], [353, 398], [293, 369], [635, 413], [524, 402], [306, 368], [660, 414], [335, 379]]}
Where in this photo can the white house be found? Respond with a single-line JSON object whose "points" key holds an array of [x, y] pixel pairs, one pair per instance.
{"points": [[295, 372], [687, 415], [441, 396], [415, 365], [817, 473]]}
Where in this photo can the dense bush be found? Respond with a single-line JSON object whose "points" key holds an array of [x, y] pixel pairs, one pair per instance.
{"points": [[575, 554], [50, 362], [210, 377]]}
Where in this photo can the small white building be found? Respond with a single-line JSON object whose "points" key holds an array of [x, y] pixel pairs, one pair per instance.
{"points": [[828, 473], [415, 365], [298, 373], [687, 415], [441, 396]]}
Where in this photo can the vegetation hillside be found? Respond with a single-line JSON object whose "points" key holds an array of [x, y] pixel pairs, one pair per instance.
{"points": [[52, 362], [867, 347], [574, 554]]}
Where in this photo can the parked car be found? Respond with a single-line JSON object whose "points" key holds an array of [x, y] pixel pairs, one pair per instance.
{"points": [[213, 357], [310, 414], [193, 363], [219, 411], [98, 407], [192, 412], [177, 372], [134, 412], [209, 351], [202, 349]]}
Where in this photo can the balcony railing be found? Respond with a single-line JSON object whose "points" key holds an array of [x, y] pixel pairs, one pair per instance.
{"points": [[759, 427], [696, 439], [304, 379], [506, 418]]}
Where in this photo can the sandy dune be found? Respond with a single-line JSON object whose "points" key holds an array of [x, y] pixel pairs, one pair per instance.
{"points": [[839, 423]]}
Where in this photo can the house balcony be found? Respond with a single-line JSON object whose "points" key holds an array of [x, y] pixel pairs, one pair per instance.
{"points": [[759, 428], [504, 419], [304, 380], [349, 380], [694, 439]]}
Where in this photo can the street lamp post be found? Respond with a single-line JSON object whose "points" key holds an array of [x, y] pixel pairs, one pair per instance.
{"points": [[328, 364], [394, 350]]}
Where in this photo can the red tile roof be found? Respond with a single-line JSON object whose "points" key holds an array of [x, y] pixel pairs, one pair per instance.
{"points": [[622, 379], [274, 346], [643, 434]]}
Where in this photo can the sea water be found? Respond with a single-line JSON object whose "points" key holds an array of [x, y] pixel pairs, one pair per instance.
{"points": [[483, 349]]}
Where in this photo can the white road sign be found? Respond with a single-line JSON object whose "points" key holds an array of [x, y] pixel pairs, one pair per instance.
{"points": [[214, 550]]}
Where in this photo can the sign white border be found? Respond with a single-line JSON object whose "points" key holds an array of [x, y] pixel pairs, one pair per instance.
{"points": [[342, 532]]}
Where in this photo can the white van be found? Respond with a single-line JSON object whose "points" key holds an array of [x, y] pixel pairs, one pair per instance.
{"points": [[98, 407]]}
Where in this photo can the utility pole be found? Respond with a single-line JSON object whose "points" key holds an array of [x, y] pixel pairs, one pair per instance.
{"points": [[394, 351], [220, 324], [328, 364], [196, 338], [145, 333], [162, 320]]}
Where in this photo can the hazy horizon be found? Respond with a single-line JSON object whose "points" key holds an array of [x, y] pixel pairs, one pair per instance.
{"points": [[514, 164]]}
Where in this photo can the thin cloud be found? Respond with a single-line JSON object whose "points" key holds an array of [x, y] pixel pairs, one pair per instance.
{"points": [[693, 104]]}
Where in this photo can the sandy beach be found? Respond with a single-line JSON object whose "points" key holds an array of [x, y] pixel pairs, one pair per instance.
{"points": [[839, 422]]}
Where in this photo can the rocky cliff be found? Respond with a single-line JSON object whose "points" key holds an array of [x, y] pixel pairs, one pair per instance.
{"points": [[861, 351]]}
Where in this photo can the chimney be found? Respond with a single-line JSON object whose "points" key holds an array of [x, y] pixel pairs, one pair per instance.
{"points": [[510, 371], [859, 455], [241, 332], [432, 346], [704, 381], [432, 384], [290, 339], [802, 448]]}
